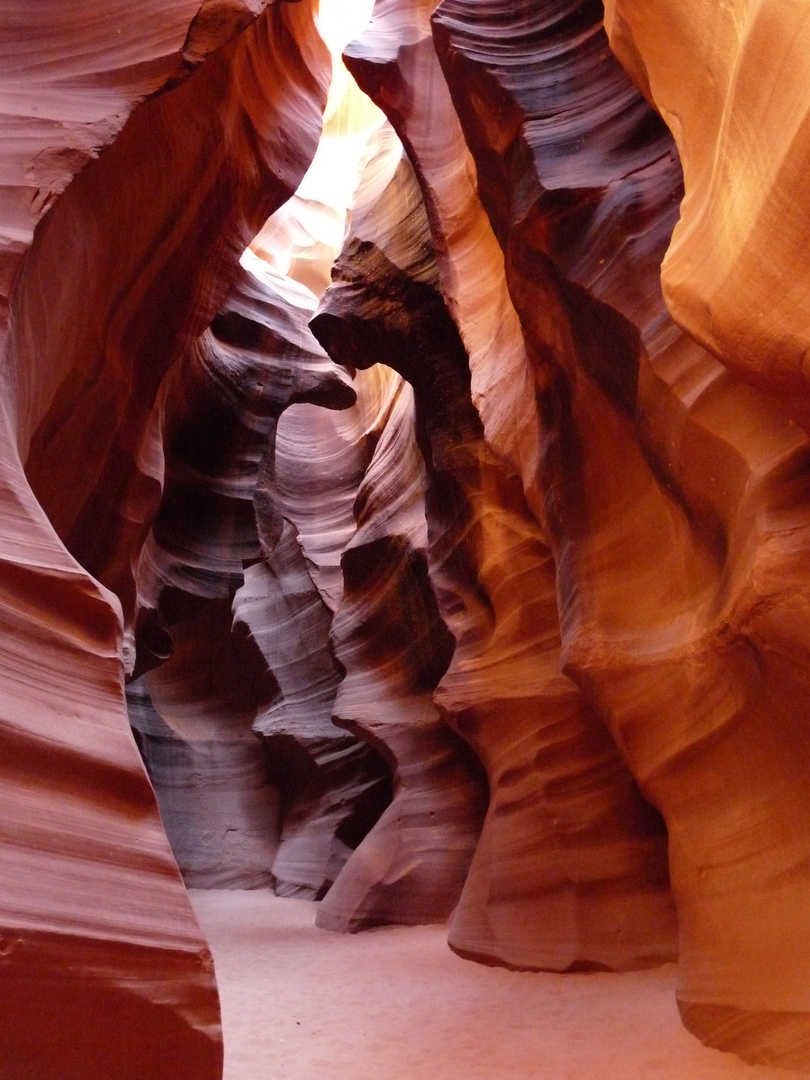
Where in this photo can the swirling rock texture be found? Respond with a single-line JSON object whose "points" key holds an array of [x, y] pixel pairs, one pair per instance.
{"points": [[388, 635], [390, 639], [57, 115], [735, 275], [211, 776], [737, 282], [239, 161], [333, 786], [95, 919], [690, 645], [255, 783], [567, 528], [570, 870]]}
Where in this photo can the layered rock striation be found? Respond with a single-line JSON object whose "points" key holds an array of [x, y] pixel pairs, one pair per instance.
{"points": [[490, 607], [388, 633], [570, 869], [124, 272], [734, 276], [254, 781], [667, 639]]}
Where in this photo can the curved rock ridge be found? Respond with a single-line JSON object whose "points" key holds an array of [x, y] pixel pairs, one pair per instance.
{"points": [[316, 491], [56, 114], [70, 79], [94, 916], [605, 175], [127, 313], [220, 533], [332, 786], [388, 635], [395, 62], [302, 238], [646, 436], [570, 869], [220, 408], [390, 640], [255, 783], [212, 777], [320, 460], [735, 275]]}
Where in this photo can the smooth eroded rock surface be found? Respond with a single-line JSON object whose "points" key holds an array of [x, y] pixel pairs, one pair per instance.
{"points": [[666, 635], [95, 919], [570, 869], [489, 604]]}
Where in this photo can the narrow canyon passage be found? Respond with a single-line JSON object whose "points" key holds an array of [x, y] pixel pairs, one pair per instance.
{"points": [[396, 1004], [404, 528]]}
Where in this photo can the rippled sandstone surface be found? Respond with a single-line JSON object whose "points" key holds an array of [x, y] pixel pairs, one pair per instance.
{"points": [[125, 270], [491, 605]]}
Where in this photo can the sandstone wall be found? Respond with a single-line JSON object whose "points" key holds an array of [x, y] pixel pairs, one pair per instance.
{"points": [[471, 586]]}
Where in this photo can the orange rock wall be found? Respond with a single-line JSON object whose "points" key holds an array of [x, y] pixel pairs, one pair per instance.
{"points": [[490, 603]]}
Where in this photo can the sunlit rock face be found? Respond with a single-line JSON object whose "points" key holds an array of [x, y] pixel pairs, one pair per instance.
{"points": [[688, 643], [570, 869], [735, 275], [56, 116], [458, 630]]}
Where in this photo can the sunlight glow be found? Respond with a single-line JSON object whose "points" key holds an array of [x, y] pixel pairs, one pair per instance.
{"points": [[303, 238]]}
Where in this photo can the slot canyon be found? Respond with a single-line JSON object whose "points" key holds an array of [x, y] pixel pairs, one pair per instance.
{"points": [[405, 485]]}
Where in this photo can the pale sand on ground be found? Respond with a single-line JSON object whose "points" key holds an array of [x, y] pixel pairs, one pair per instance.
{"points": [[395, 1003]]}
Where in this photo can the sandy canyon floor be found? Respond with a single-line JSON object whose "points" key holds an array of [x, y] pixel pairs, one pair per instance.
{"points": [[395, 1003]]}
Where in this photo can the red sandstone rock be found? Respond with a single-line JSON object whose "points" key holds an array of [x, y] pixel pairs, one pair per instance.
{"points": [[388, 634], [56, 116], [70, 80], [389, 637], [735, 275], [332, 786], [622, 541], [256, 785], [570, 869], [128, 314], [214, 784], [95, 919], [396, 61], [666, 636]]}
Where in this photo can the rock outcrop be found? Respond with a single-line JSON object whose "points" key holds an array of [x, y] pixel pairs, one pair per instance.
{"points": [[735, 276], [388, 635], [235, 724]]}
